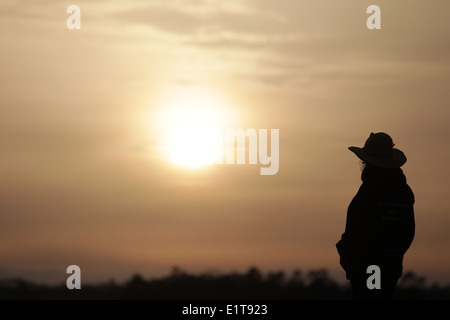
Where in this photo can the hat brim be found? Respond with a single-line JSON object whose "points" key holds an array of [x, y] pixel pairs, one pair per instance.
{"points": [[396, 161]]}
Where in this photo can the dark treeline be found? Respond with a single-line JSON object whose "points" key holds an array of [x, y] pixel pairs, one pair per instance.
{"points": [[252, 284]]}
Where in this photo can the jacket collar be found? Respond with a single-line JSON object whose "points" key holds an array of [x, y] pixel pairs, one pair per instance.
{"points": [[372, 174]]}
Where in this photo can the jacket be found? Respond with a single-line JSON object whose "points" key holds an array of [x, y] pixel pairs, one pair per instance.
{"points": [[380, 224]]}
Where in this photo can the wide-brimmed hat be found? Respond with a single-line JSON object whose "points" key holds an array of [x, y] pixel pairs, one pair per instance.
{"points": [[379, 151]]}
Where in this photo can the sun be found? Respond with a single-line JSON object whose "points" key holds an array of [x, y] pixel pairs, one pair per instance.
{"points": [[194, 139], [190, 127]]}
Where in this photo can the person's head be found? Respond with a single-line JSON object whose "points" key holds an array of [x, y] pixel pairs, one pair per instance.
{"points": [[365, 165], [362, 164], [379, 151]]}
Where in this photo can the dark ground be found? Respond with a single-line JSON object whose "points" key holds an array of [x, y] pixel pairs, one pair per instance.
{"points": [[253, 284]]}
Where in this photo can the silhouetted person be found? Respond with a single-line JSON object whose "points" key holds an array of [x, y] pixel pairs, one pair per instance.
{"points": [[380, 220]]}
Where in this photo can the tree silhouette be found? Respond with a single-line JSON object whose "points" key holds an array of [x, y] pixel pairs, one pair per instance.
{"points": [[252, 284]]}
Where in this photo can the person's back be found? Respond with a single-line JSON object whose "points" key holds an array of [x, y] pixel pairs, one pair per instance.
{"points": [[380, 226]]}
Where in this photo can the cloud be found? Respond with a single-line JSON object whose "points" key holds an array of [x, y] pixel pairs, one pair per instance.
{"points": [[332, 37]]}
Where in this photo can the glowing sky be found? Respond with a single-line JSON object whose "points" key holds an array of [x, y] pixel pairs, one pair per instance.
{"points": [[83, 180]]}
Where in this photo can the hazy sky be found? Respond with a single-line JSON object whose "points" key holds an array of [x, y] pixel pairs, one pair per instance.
{"points": [[82, 177]]}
